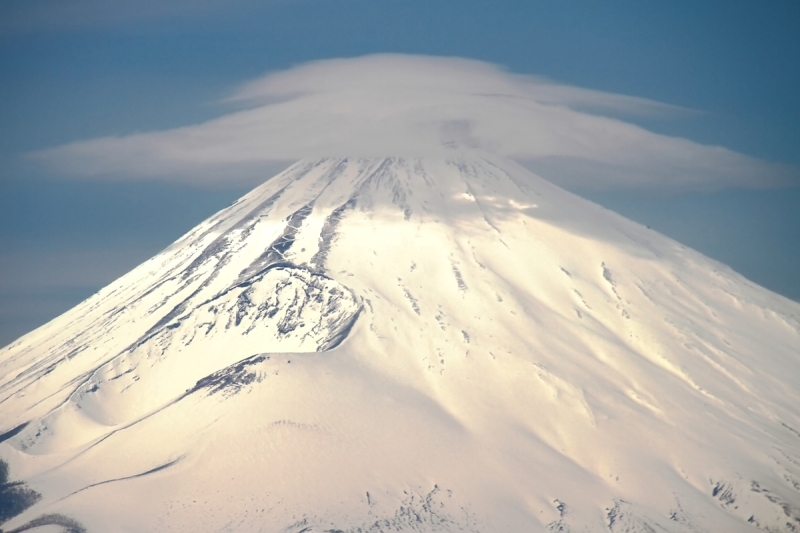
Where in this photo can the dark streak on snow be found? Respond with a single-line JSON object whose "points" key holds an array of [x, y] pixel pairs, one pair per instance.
{"points": [[411, 300], [11, 432], [607, 274], [328, 234], [459, 278], [142, 474], [724, 493], [385, 178], [790, 428]]}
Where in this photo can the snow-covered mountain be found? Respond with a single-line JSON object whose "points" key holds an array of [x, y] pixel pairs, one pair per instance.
{"points": [[412, 345]]}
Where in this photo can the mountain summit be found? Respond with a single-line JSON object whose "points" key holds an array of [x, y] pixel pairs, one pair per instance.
{"points": [[422, 345]]}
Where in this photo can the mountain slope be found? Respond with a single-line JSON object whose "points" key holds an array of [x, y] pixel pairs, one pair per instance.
{"points": [[413, 345]]}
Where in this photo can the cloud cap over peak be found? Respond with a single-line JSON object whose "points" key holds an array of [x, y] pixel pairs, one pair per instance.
{"points": [[382, 105]]}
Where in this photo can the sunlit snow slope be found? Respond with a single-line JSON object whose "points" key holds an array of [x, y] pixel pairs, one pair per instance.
{"points": [[413, 345]]}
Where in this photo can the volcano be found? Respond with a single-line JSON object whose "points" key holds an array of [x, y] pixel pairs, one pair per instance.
{"points": [[399, 344]]}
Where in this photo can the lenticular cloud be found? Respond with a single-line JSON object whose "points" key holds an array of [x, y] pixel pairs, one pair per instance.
{"points": [[390, 105]]}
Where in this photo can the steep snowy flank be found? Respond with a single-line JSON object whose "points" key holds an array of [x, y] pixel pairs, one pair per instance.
{"points": [[413, 345]]}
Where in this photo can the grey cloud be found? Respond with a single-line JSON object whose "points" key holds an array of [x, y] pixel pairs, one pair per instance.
{"points": [[383, 105]]}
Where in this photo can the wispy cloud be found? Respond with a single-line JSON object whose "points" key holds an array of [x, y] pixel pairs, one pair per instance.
{"points": [[418, 105]]}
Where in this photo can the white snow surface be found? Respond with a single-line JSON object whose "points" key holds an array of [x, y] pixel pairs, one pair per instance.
{"points": [[413, 345]]}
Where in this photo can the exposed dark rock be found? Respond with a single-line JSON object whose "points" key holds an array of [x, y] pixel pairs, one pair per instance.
{"points": [[232, 379], [15, 496], [68, 524]]}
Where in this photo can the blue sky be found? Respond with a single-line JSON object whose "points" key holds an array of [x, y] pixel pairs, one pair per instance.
{"points": [[83, 69]]}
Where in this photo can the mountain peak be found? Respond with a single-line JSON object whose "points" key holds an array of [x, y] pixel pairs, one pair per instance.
{"points": [[406, 344]]}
